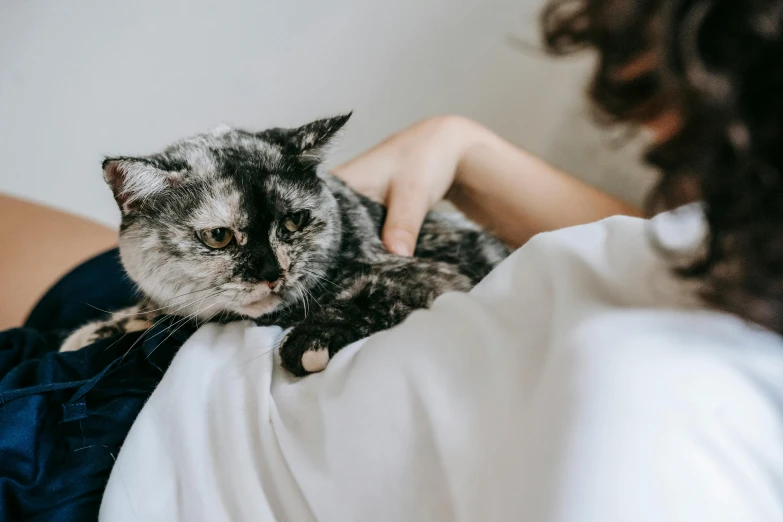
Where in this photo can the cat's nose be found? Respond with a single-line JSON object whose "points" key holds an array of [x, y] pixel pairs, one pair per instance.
{"points": [[270, 275]]}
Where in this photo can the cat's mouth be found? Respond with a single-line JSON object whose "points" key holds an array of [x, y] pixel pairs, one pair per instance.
{"points": [[260, 307], [262, 300]]}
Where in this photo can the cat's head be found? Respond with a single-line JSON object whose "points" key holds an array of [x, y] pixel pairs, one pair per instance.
{"points": [[228, 221]]}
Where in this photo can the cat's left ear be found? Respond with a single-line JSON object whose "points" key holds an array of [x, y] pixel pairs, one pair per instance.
{"points": [[314, 140]]}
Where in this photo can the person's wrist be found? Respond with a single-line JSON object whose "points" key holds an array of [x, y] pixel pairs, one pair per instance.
{"points": [[458, 133], [466, 137]]}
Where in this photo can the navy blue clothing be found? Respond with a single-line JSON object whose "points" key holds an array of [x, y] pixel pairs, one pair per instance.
{"points": [[64, 416]]}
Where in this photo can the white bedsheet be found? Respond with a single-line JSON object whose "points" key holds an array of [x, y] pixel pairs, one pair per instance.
{"points": [[576, 383]]}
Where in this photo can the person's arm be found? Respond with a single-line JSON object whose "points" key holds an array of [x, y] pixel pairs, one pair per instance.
{"points": [[518, 195], [510, 191], [39, 245]]}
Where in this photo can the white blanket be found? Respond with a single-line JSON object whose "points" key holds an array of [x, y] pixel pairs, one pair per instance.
{"points": [[576, 383]]}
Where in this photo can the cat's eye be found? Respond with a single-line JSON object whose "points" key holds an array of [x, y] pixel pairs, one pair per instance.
{"points": [[296, 221], [216, 237]]}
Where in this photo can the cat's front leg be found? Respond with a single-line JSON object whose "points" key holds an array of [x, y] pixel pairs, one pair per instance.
{"points": [[125, 321], [370, 303]]}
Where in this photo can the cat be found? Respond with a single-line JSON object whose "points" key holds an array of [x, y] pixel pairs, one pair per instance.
{"points": [[233, 224]]}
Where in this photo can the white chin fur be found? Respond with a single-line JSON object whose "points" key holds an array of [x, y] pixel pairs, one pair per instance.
{"points": [[262, 307]]}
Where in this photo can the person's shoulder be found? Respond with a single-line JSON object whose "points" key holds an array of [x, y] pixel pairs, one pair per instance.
{"points": [[601, 245], [589, 234], [680, 229]]}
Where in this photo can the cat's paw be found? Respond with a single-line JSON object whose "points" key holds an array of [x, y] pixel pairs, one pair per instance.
{"points": [[84, 336], [309, 347]]}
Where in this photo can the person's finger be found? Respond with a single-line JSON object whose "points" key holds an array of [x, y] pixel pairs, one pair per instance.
{"points": [[407, 207]]}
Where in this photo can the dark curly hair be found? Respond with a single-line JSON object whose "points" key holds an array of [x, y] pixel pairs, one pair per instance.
{"points": [[717, 65]]}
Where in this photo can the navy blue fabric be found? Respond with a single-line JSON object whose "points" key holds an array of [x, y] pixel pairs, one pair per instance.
{"points": [[95, 285], [63, 417]]}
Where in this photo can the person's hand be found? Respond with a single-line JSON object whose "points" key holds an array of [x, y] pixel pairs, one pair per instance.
{"points": [[410, 172], [504, 189]]}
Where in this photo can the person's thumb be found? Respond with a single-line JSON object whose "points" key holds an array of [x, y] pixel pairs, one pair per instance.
{"points": [[406, 209]]}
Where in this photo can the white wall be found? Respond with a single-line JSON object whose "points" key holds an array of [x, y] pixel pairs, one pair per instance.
{"points": [[80, 79]]}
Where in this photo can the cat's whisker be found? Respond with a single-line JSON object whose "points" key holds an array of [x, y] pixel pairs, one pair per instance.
{"points": [[140, 337], [310, 272], [322, 290], [211, 288], [320, 277], [146, 311], [302, 299], [145, 331], [181, 324], [321, 274], [193, 292], [314, 299], [125, 335], [306, 303], [177, 324], [320, 284], [120, 338], [214, 314], [271, 348], [191, 303], [324, 278], [159, 321], [199, 304], [106, 311]]}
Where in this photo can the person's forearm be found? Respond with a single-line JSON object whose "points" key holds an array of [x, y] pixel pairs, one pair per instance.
{"points": [[517, 195]]}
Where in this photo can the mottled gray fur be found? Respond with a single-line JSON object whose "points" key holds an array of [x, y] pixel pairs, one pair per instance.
{"points": [[331, 279]]}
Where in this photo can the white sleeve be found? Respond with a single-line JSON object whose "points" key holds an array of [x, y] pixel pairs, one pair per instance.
{"points": [[556, 390]]}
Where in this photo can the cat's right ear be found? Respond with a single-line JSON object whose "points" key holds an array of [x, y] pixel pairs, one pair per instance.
{"points": [[132, 180]]}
